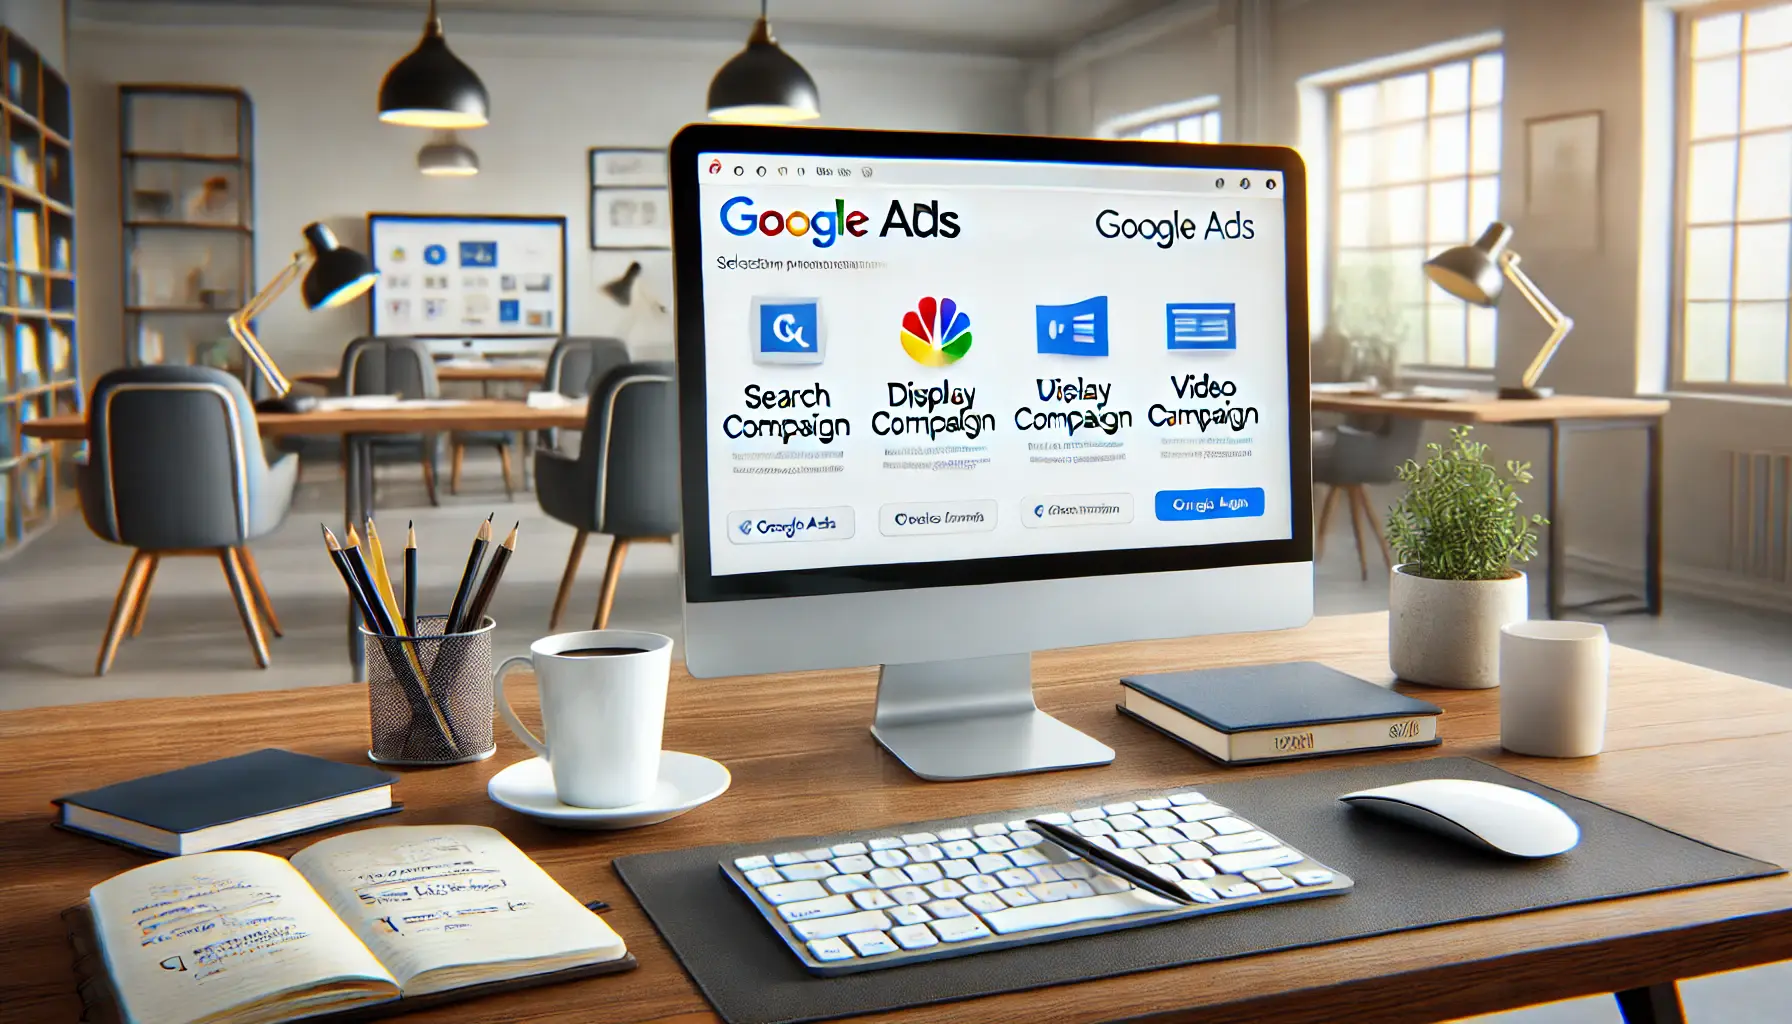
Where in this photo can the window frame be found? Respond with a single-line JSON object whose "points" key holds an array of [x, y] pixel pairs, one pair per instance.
{"points": [[1169, 113], [1683, 66], [1332, 89]]}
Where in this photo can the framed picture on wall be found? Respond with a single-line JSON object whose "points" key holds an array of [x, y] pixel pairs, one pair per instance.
{"points": [[629, 202], [1562, 193], [624, 168]]}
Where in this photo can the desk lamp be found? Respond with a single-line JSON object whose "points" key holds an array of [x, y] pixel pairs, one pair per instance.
{"points": [[1473, 273], [337, 275]]}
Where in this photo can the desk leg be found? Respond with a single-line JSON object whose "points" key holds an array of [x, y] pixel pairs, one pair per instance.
{"points": [[1657, 1004], [354, 511], [1652, 523], [1558, 536]]}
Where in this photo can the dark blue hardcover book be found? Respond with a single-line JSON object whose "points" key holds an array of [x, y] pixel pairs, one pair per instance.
{"points": [[1253, 713], [237, 801]]}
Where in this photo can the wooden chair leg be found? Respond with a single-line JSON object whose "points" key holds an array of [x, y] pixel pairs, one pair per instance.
{"points": [[606, 598], [572, 569], [149, 577], [257, 590], [1381, 538], [239, 592], [1325, 518], [460, 453], [429, 479], [504, 460], [122, 610], [1356, 528]]}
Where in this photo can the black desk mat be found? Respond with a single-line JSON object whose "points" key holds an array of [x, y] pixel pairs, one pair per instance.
{"points": [[1405, 878]]}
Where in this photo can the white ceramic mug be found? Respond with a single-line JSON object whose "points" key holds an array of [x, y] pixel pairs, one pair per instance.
{"points": [[604, 715], [1553, 681]]}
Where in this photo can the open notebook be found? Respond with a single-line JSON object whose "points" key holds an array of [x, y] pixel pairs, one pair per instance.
{"points": [[373, 916]]}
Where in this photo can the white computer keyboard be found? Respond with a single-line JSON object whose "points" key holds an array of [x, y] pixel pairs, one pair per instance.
{"points": [[869, 900]]}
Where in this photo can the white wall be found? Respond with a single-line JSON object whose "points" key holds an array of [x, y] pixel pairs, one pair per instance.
{"points": [[42, 23], [1560, 57], [321, 154]]}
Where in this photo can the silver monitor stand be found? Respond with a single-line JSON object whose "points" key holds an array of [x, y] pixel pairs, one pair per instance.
{"points": [[975, 718]]}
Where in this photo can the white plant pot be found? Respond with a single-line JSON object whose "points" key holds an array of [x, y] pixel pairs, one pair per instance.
{"points": [[1447, 632]]}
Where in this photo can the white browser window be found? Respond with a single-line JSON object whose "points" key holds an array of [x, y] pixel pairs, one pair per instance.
{"points": [[929, 360]]}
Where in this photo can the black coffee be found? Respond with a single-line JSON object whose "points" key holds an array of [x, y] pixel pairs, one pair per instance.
{"points": [[599, 652]]}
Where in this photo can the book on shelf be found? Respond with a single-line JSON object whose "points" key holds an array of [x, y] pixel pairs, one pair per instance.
{"points": [[1253, 713], [27, 373], [25, 254], [62, 353], [406, 916], [233, 801]]}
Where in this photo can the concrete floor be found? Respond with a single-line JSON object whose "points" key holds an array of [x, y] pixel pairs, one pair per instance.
{"points": [[55, 596]]}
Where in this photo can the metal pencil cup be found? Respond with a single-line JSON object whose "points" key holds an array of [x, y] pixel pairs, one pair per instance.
{"points": [[429, 697]]}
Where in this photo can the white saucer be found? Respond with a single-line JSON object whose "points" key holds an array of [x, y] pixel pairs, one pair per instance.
{"points": [[686, 781]]}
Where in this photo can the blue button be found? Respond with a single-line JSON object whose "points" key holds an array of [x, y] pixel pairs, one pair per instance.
{"points": [[1210, 503]]}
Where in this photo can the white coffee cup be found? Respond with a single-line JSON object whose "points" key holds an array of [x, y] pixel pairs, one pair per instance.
{"points": [[1553, 682], [603, 714]]}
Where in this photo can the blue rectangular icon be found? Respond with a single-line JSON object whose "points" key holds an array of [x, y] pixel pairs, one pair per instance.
{"points": [[1209, 503], [509, 311], [1077, 329], [1201, 326], [478, 254], [787, 330]]}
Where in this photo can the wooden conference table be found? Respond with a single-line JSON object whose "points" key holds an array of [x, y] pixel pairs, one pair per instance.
{"points": [[1687, 748], [357, 427], [1561, 415], [517, 371]]}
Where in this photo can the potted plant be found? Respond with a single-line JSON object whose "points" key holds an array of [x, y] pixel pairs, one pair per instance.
{"points": [[1456, 535]]}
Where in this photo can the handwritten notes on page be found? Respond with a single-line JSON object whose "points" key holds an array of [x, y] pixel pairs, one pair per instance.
{"points": [[190, 937], [459, 903]]}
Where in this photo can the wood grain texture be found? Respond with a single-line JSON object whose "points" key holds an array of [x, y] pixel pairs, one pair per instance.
{"points": [[474, 414], [1689, 749], [518, 372], [1489, 409]]}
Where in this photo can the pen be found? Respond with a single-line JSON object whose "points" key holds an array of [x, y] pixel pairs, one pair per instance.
{"points": [[410, 580], [1144, 878], [457, 611]]}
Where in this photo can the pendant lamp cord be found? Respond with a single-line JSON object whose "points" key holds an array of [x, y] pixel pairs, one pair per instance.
{"points": [[762, 4]]}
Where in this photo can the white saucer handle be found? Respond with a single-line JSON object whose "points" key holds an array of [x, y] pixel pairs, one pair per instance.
{"points": [[510, 719]]}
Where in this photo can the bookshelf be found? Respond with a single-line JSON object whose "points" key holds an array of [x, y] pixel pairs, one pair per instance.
{"points": [[40, 371], [188, 205]]}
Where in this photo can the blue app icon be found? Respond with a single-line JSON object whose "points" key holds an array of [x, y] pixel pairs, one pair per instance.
{"points": [[787, 330], [435, 255], [509, 311], [1201, 326], [478, 254], [1078, 329]]}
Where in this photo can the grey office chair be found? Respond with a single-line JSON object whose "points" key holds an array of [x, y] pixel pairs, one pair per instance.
{"points": [[572, 367], [624, 480], [395, 366], [1351, 457], [175, 467]]}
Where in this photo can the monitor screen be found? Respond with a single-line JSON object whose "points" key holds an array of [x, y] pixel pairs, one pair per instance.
{"points": [[929, 362]]}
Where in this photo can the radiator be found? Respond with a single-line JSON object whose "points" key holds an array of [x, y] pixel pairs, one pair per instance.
{"points": [[1761, 515]]}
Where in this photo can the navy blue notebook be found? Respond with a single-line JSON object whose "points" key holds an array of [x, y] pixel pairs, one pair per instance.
{"points": [[1254, 713], [237, 801]]}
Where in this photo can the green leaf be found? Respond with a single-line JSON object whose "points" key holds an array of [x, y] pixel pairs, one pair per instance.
{"points": [[1460, 518]]}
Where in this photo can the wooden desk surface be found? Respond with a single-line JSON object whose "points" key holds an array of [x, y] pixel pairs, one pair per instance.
{"points": [[516, 370], [1690, 749], [473, 414], [1489, 409]]}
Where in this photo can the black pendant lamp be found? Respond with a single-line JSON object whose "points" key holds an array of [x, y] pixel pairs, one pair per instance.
{"points": [[431, 87], [762, 83]]}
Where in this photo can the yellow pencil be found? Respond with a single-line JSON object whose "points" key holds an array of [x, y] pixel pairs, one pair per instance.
{"points": [[381, 579]]}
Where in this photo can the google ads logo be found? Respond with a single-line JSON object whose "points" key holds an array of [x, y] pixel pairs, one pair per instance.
{"points": [[739, 217], [936, 334]]}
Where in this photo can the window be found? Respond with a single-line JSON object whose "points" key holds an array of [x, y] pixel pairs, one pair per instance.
{"points": [[1189, 126], [1735, 237], [1415, 169]]}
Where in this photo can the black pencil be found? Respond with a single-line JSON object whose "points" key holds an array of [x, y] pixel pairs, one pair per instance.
{"points": [[348, 574], [458, 610], [410, 581], [381, 619], [418, 683], [493, 572]]}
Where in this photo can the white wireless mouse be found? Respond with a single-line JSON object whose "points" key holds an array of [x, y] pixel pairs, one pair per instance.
{"points": [[1481, 814]]}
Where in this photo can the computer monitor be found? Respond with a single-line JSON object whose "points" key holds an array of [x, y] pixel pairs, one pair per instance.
{"points": [[946, 400]]}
